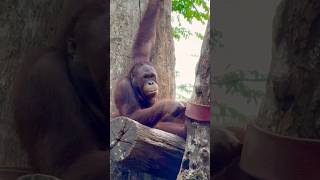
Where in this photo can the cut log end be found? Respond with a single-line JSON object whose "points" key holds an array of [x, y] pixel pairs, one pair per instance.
{"points": [[141, 148], [122, 138]]}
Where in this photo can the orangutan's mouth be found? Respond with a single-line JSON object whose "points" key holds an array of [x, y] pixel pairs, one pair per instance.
{"points": [[151, 93]]}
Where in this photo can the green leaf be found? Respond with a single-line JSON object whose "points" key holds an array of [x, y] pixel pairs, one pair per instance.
{"points": [[190, 10]]}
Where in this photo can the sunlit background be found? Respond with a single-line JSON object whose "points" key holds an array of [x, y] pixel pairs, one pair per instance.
{"points": [[187, 53]]}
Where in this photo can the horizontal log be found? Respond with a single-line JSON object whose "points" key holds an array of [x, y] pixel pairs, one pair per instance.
{"points": [[145, 149]]}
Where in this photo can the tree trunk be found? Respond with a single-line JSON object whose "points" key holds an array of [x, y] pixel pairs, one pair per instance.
{"points": [[196, 159], [24, 25], [289, 115], [291, 106], [124, 20]]}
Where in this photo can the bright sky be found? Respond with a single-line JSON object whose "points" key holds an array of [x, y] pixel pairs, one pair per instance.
{"points": [[187, 53]]}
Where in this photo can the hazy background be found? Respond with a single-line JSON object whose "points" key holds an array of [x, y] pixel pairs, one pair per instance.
{"points": [[246, 27]]}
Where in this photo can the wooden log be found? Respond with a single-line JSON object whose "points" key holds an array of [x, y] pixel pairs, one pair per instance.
{"points": [[144, 149]]}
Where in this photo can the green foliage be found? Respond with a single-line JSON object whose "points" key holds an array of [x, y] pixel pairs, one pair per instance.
{"points": [[177, 73], [223, 112], [184, 92], [181, 32], [187, 88], [192, 9], [189, 10], [199, 35], [236, 82]]}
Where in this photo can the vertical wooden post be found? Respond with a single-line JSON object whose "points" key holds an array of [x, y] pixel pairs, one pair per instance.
{"points": [[196, 160]]}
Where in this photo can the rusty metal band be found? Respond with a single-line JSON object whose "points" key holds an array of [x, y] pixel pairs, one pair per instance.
{"points": [[269, 156], [198, 112]]}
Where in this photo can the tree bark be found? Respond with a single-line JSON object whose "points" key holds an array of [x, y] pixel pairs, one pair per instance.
{"points": [[291, 105], [140, 148], [24, 25], [196, 159], [125, 17]]}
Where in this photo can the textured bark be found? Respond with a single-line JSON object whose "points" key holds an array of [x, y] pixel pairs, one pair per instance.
{"points": [[292, 103], [141, 148], [196, 159], [24, 25], [125, 17]]}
